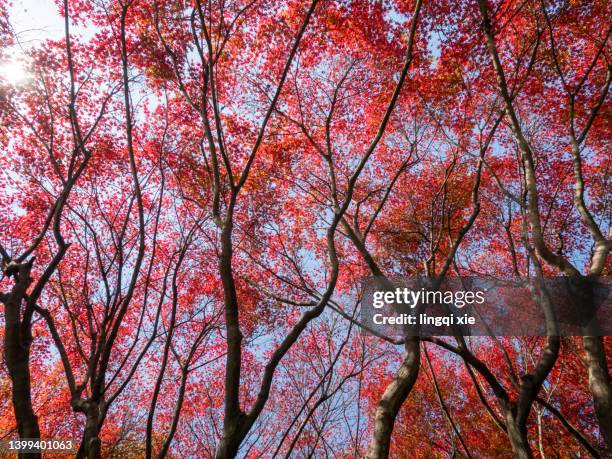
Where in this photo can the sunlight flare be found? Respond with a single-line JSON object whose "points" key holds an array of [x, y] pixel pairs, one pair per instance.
{"points": [[13, 71]]}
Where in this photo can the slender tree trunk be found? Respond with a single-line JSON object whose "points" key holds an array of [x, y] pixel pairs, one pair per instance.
{"points": [[175, 419], [599, 383], [597, 365], [231, 438], [540, 423], [17, 341], [17, 360], [392, 400]]}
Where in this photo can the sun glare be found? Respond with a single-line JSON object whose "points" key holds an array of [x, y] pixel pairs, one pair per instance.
{"points": [[13, 71]]}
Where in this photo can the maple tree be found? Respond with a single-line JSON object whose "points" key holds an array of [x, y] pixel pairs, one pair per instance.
{"points": [[192, 192]]}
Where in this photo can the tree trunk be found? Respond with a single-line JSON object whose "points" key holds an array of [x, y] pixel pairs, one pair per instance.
{"points": [[518, 438], [17, 341], [392, 400], [231, 438], [597, 365], [91, 444], [230, 442], [17, 360], [599, 383]]}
